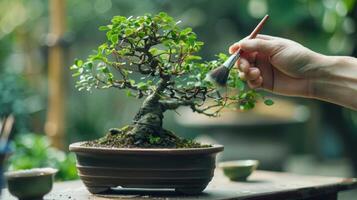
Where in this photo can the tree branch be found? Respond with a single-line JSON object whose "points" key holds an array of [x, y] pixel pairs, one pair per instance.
{"points": [[174, 104]]}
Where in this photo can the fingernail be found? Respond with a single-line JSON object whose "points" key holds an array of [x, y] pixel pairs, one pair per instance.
{"points": [[230, 50], [254, 70]]}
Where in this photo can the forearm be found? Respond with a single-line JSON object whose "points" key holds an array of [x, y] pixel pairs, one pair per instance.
{"points": [[336, 81]]}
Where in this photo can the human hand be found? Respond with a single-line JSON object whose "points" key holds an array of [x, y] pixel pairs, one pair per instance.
{"points": [[276, 64]]}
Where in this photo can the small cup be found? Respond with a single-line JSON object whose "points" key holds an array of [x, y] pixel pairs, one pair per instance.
{"points": [[5, 151], [239, 170], [30, 184]]}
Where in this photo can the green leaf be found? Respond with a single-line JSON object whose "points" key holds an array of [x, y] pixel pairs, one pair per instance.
{"points": [[76, 74], [153, 139], [128, 93], [222, 56], [78, 62], [102, 47], [240, 84], [198, 84], [247, 106], [268, 102], [153, 51], [243, 95], [192, 57], [114, 38], [88, 65], [142, 86], [186, 31], [105, 70], [191, 39], [129, 31], [73, 67], [162, 14], [103, 28], [200, 43], [132, 82], [118, 19], [123, 51], [141, 34]]}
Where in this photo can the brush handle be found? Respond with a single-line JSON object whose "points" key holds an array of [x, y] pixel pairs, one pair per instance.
{"points": [[229, 63], [258, 28]]}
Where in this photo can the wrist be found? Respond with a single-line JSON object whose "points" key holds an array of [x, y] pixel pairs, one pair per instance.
{"points": [[335, 80], [321, 65], [321, 70]]}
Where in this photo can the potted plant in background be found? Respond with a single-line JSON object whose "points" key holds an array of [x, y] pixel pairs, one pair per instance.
{"points": [[150, 57]]}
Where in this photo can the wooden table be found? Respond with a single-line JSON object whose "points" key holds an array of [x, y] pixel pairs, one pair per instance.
{"points": [[262, 185]]}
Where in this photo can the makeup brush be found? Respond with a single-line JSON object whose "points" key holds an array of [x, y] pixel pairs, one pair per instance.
{"points": [[219, 76]]}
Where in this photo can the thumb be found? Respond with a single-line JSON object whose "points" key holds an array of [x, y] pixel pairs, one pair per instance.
{"points": [[264, 46]]}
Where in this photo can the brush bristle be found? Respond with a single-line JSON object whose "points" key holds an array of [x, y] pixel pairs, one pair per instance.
{"points": [[219, 75]]}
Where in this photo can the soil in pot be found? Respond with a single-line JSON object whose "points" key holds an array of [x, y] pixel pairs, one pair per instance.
{"points": [[122, 138]]}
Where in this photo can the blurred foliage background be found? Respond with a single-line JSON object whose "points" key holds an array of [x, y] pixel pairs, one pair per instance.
{"points": [[326, 26], [34, 150]]}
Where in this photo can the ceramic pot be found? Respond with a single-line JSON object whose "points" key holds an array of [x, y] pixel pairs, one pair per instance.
{"points": [[239, 170], [2, 160], [185, 170], [4, 154], [30, 184]]}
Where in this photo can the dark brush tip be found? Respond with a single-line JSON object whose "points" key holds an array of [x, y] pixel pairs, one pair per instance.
{"points": [[219, 75]]}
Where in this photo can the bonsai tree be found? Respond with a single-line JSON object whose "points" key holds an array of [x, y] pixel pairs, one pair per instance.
{"points": [[152, 58]]}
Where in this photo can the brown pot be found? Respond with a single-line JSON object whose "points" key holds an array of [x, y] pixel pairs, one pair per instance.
{"points": [[185, 170]]}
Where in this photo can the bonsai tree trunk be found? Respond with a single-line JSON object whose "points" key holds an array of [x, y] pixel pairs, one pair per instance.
{"points": [[149, 118], [148, 121]]}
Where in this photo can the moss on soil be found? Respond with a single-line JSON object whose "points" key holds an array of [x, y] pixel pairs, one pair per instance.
{"points": [[121, 138]]}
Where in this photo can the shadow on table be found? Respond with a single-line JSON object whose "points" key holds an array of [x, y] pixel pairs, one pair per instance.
{"points": [[256, 181], [117, 192]]}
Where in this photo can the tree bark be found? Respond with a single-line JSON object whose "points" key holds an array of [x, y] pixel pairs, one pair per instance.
{"points": [[149, 118]]}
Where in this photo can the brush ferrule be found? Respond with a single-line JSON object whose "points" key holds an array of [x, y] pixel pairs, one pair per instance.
{"points": [[229, 63]]}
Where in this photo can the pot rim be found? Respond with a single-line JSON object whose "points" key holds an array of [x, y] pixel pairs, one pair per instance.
{"points": [[76, 147], [30, 173]]}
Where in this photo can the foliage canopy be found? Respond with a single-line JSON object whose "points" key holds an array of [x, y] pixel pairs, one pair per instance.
{"points": [[148, 53]]}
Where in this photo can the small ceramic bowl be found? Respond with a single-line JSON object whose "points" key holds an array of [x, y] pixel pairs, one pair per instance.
{"points": [[30, 184], [4, 153], [239, 170]]}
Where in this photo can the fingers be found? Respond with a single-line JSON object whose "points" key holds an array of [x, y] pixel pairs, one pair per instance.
{"points": [[253, 74], [266, 37], [266, 46], [250, 73], [253, 78], [254, 63], [243, 65], [263, 46], [263, 43], [234, 47], [255, 83]]}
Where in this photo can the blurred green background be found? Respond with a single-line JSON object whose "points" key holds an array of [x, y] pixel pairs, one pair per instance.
{"points": [[305, 136]]}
